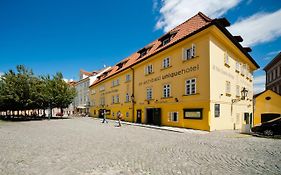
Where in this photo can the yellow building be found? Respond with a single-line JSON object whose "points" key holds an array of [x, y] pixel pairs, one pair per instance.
{"points": [[190, 77], [267, 106]]}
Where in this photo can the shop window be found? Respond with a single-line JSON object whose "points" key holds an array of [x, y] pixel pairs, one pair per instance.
{"points": [[193, 113], [217, 110], [166, 91], [166, 63], [190, 86], [189, 53], [148, 69], [149, 93], [173, 116]]}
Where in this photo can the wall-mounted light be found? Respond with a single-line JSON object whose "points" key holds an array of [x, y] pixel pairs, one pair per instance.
{"points": [[244, 93]]}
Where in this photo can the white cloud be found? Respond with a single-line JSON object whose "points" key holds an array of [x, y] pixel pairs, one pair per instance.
{"points": [[258, 28], [259, 84], [1, 73], [274, 52], [174, 12]]}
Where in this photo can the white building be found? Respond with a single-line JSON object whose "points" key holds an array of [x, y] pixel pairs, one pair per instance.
{"points": [[82, 101]]}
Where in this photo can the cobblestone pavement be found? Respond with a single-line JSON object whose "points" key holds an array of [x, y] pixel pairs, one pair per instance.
{"points": [[86, 146]]}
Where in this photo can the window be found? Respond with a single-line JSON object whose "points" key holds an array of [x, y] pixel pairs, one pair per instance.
{"points": [[165, 41], [190, 86], [227, 87], [113, 99], [127, 114], [243, 70], [117, 99], [102, 88], [193, 113], [148, 69], [189, 53], [166, 91], [127, 97], [149, 93], [112, 114], [143, 53], [226, 59], [237, 66], [173, 116], [237, 90], [166, 63], [128, 77], [102, 101], [117, 82], [93, 91], [217, 110]]}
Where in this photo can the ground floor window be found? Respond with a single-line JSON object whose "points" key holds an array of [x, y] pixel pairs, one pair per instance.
{"points": [[217, 110], [173, 116], [193, 113], [127, 114]]}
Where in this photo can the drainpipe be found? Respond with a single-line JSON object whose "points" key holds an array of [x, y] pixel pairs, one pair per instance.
{"points": [[133, 94]]}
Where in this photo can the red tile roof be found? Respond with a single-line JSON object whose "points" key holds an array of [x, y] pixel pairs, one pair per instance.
{"points": [[88, 73], [193, 25]]}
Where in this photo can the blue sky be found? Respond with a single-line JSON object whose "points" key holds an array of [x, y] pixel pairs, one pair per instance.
{"points": [[54, 35]]}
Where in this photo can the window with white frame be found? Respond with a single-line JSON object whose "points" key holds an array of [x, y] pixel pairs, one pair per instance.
{"points": [[166, 62], [190, 86], [226, 59], [102, 88], [217, 110], [93, 91], [237, 66], [243, 70], [149, 93], [148, 69], [237, 90], [189, 53], [128, 77], [117, 99], [166, 90], [127, 97], [117, 82], [227, 87], [173, 116]]}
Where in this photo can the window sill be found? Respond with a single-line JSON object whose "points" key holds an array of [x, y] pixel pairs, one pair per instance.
{"points": [[227, 94], [185, 95], [115, 86], [166, 97], [127, 102], [227, 65], [164, 68], [149, 74], [188, 59], [127, 81], [149, 99]]}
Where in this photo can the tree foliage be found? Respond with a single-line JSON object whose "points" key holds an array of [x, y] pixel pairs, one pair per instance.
{"points": [[22, 90]]}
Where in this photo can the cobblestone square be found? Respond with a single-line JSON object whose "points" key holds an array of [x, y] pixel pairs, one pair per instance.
{"points": [[87, 146]]}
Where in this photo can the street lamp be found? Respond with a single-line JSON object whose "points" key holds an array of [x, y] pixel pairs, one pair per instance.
{"points": [[244, 93]]}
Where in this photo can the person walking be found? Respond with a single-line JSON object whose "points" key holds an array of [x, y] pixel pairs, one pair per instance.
{"points": [[104, 117], [119, 116]]}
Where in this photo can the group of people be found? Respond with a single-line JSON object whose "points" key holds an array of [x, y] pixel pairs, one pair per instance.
{"points": [[119, 116]]}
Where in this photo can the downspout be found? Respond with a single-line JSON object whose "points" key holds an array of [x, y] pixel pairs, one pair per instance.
{"points": [[133, 95]]}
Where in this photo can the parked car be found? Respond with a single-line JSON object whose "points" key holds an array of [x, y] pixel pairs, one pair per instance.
{"points": [[269, 128], [59, 114]]}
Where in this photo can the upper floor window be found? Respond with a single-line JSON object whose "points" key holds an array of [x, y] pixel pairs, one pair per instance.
{"points": [[148, 69], [117, 99], [190, 86], [226, 59], [237, 69], [243, 70], [149, 93], [127, 97], [166, 91], [115, 82], [237, 90], [166, 62], [165, 41], [189, 53], [227, 87], [128, 77], [102, 88]]}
